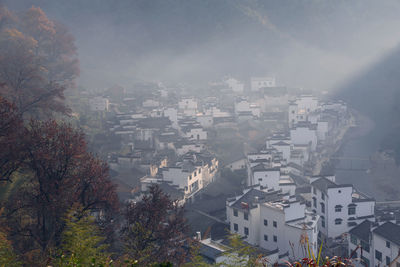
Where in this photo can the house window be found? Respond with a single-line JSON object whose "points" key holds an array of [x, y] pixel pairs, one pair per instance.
{"points": [[195, 174], [275, 224], [275, 238], [246, 216], [338, 208], [266, 222], [378, 255], [338, 221], [353, 239], [352, 210], [323, 221], [246, 231], [190, 177], [387, 244], [364, 245], [322, 207], [235, 227], [199, 171], [322, 196], [314, 201], [265, 237], [365, 261], [388, 260], [235, 213]]}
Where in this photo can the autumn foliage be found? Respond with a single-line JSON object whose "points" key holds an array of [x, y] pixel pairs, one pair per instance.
{"points": [[38, 61]]}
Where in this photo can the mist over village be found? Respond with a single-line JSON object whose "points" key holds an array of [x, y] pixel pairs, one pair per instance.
{"points": [[200, 133]]}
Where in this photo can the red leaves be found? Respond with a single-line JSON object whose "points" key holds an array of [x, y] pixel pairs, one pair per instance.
{"points": [[38, 61], [11, 149], [155, 229], [61, 172]]}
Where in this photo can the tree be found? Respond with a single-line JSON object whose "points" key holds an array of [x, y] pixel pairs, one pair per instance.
{"points": [[155, 229], [82, 242], [7, 255], [59, 172], [12, 148], [37, 61]]}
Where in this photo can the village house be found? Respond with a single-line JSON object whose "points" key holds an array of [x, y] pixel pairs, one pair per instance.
{"points": [[380, 244], [99, 103], [256, 83], [340, 206], [272, 220]]}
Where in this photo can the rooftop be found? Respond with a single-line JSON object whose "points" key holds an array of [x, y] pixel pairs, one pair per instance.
{"points": [[389, 231], [362, 231]]}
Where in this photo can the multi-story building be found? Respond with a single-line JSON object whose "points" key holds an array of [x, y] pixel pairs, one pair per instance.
{"points": [[380, 244], [339, 206], [272, 220]]}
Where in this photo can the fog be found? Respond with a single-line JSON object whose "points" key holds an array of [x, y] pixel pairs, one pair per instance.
{"points": [[314, 44]]}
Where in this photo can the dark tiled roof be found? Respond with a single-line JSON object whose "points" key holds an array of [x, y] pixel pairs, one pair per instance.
{"points": [[210, 253], [389, 231], [362, 231], [323, 184], [250, 196]]}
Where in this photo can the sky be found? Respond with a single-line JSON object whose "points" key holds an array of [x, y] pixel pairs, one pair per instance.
{"points": [[312, 44]]}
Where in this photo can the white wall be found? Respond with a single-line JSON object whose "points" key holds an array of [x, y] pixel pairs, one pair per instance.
{"points": [[304, 136], [268, 178]]}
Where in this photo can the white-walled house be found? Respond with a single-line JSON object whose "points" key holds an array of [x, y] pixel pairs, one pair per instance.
{"points": [[361, 235], [271, 220], [264, 176], [172, 115], [380, 243], [304, 134], [339, 206], [150, 103], [386, 244], [196, 133], [99, 103], [205, 121], [235, 85], [188, 106], [186, 176], [300, 108], [256, 83]]}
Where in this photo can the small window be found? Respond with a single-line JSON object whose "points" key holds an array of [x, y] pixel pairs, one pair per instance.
{"points": [[365, 246], [322, 196], [190, 177], [195, 174], [388, 260], [246, 216], [338, 208], [365, 261], [199, 171], [387, 244], [266, 222], [353, 240], [265, 238], [322, 207], [352, 210], [275, 224], [235, 213], [378, 255], [323, 221], [314, 202], [338, 221], [246, 231], [235, 227], [275, 238]]}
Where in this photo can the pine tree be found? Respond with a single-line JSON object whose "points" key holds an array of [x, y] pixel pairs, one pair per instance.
{"points": [[82, 242]]}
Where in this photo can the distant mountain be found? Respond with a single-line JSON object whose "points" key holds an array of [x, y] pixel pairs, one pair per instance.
{"points": [[306, 43]]}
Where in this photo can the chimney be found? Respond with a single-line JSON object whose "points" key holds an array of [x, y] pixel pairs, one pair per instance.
{"points": [[198, 236]]}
